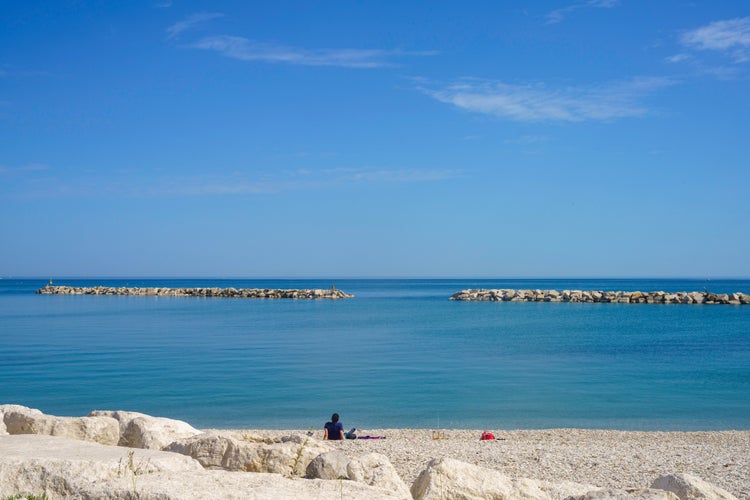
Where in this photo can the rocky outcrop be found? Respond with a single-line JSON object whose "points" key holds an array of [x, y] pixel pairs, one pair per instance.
{"points": [[211, 464], [689, 487], [329, 465], [629, 494], [376, 470], [235, 293], [289, 456], [448, 478], [138, 430], [8, 409], [21, 420], [511, 295], [373, 469], [63, 468]]}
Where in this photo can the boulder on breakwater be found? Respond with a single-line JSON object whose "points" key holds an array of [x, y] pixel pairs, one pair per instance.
{"points": [[235, 293], [511, 295]]}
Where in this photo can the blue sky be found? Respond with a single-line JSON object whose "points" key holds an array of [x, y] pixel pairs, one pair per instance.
{"points": [[591, 138]]}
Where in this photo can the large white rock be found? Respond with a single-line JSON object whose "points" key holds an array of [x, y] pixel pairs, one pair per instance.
{"points": [[376, 470], [630, 494], [35, 464], [289, 456], [138, 430], [63, 468], [565, 489], [689, 487], [22, 420], [7, 409], [328, 465], [448, 478]]}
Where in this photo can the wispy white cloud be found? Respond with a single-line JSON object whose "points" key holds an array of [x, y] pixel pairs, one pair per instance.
{"points": [[526, 140], [15, 73], [250, 50], [133, 184], [731, 37], [677, 58], [191, 22], [163, 5], [298, 180], [540, 103], [558, 15], [31, 167]]}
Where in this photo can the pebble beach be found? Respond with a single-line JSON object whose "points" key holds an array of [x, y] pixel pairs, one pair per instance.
{"points": [[618, 459]]}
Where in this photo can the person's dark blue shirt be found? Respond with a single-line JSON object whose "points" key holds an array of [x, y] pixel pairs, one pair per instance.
{"points": [[334, 429]]}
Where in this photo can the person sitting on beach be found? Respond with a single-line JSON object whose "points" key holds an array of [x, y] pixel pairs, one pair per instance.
{"points": [[333, 430]]}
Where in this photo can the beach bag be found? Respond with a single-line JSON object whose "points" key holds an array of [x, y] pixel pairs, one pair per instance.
{"points": [[487, 436]]}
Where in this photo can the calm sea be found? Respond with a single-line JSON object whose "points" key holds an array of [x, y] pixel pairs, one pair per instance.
{"points": [[400, 354]]}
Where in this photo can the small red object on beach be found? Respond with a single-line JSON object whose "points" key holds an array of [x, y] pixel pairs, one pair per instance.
{"points": [[487, 436]]}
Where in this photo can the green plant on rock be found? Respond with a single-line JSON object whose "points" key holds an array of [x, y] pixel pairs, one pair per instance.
{"points": [[135, 470], [29, 496], [298, 456]]}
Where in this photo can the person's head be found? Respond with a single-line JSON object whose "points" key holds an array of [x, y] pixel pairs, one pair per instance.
{"points": [[335, 418]]}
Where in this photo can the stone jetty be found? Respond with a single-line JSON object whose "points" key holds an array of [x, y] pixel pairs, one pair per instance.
{"points": [[511, 295], [236, 293]]}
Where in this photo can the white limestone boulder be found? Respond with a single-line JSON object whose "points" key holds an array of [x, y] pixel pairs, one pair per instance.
{"points": [[22, 420], [289, 456], [566, 489], [375, 469], [689, 487], [449, 478], [627, 494], [63, 468], [8, 409], [138, 430], [329, 465], [216, 451]]}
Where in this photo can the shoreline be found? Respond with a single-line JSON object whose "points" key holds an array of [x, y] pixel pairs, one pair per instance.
{"points": [[606, 458], [43, 451]]}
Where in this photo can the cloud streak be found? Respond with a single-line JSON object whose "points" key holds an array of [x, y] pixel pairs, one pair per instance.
{"points": [[731, 37], [31, 167], [245, 49], [539, 103], [558, 15], [134, 185], [191, 22], [297, 180]]}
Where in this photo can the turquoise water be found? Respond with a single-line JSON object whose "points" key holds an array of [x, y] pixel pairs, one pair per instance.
{"points": [[400, 354]]}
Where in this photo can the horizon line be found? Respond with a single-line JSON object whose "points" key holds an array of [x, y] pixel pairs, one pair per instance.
{"points": [[364, 277]]}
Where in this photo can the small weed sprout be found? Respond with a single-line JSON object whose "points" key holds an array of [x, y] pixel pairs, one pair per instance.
{"points": [[298, 456], [135, 470]]}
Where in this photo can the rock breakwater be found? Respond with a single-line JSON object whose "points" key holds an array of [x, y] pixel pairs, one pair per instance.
{"points": [[236, 293], [511, 295]]}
